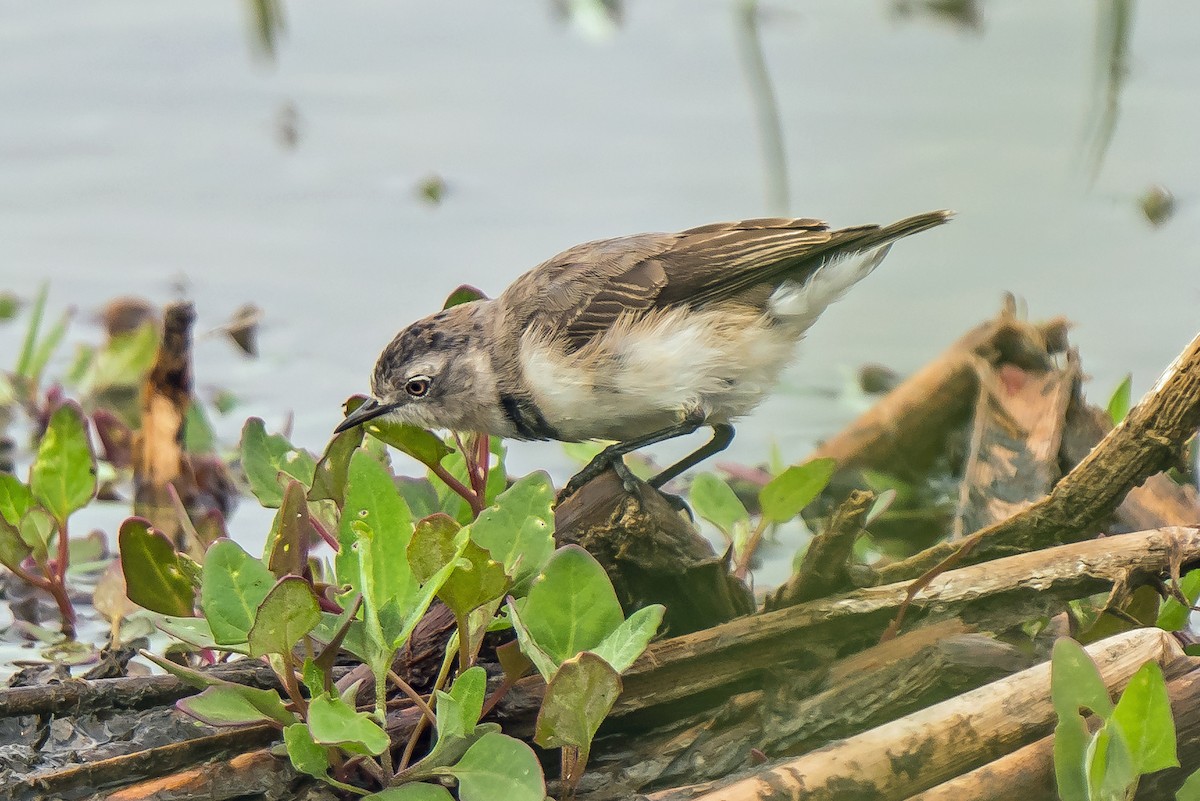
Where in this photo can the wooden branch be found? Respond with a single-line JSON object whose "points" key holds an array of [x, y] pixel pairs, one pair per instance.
{"points": [[652, 554], [824, 569], [1157, 502], [906, 430], [1148, 441], [150, 762], [720, 741], [134, 692], [914, 753], [1017, 431], [1000, 593], [1028, 772]]}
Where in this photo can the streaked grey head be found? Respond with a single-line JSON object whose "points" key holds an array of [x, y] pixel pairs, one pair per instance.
{"points": [[434, 374]]}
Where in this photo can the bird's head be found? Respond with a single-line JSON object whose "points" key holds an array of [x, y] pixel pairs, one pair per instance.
{"points": [[435, 374]]}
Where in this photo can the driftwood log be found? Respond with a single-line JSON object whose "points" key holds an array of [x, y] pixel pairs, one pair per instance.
{"points": [[1148, 441], [913, 753], [652, 554]]}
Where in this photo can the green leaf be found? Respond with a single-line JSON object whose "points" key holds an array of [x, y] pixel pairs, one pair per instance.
{"points": [[154, 574], [1075, 682], [292, 533], [329, 478], [388, 626], [372, 500], [475, 580], [289, 611], [63, 476], [37, 527], [1071, 739], [306, 756], [355, 641], [232, 587], [221, 706], [1110, 765], [537, 656], [518, 531], [434, 544], [572, 607], [198, 435], [265, 456], [881, 504], [13, 549], [34, 353], [413, 791], [464, 294], [795, 488], [332, 721], [577, 700], [1190, 791], [15, 499], [459, 710], [1144, 716], [1174, 616], [265, 701], [621, 648], [194, 631], [25, 362], [1118, 404], [714, 501], [419, 494], [45, 349], [498, 766], [125, 358], [422, 445]]}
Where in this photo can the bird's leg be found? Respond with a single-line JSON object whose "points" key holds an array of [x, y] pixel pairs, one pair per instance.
{"points": [[610, 456], [722, 436]]}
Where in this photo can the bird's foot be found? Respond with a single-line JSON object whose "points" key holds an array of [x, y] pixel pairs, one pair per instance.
{"points": [[678, 504], [599, 463]]}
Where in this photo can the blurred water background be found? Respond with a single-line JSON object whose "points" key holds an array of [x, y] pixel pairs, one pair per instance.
{"points": [[345, 166]]}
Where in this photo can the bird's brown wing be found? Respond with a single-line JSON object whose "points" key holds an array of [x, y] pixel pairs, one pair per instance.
{"points": [[728, 260], [581, 292]]}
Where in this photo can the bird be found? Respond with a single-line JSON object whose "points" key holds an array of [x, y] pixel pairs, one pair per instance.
{"points": [[635, 339]]}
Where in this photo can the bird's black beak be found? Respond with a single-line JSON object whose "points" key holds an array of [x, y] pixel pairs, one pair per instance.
{"points": [[369, 410]]}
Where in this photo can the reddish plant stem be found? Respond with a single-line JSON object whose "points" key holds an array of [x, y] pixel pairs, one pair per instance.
{"points": [[292, 686], [326, 535], [458, 487], [31, 579], [57, 579], [497, 696], [413, 696], [743, 560], [483, 462]]}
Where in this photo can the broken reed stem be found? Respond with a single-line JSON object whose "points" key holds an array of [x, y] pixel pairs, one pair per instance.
{"points": [[824, 569], [1147, 441], [916, 752]]}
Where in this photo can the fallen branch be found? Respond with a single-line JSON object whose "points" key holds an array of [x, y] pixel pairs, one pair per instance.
{"points": [[824, 568], [134, 692], [652, 554], [1001, 593], [1028, 772], [905, 432], [150, 762], [914, 753], [1149, 440]]}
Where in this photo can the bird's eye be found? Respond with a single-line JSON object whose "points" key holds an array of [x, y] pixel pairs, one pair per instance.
{"points": [[417, 386]]}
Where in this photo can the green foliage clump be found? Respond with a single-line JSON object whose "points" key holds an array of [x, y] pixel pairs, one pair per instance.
{"points": [[494, 567]]}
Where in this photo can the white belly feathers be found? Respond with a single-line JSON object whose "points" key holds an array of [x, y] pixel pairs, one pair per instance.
{"points": [[644, 373]]}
